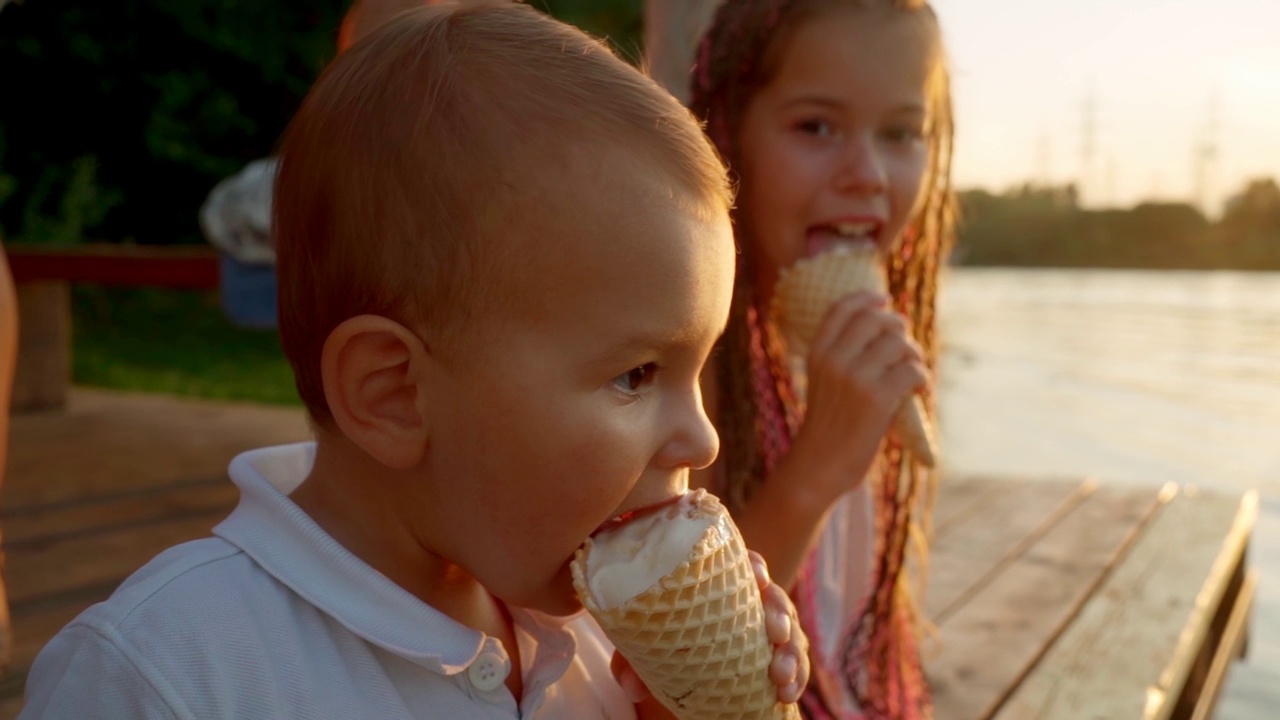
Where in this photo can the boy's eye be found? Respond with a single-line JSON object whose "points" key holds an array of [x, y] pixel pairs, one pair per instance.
{"points": [[632, 380]]}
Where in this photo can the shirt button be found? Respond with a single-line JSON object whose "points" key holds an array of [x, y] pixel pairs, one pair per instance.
{"points": [[487, 672]]}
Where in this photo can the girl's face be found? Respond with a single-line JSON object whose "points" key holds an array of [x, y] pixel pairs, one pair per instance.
{"points": [[835, 147]]}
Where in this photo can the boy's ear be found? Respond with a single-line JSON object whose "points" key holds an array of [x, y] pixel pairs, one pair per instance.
{"points": [[372, 370]]}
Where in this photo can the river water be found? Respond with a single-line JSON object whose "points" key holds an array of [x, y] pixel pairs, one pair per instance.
{"points": [[1128, 377]]}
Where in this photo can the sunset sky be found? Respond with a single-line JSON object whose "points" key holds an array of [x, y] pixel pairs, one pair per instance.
{"points": [[1024, 68]]}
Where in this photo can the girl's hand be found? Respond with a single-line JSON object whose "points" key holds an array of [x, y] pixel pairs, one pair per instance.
{"points": [[862, 364], [789, 669]]}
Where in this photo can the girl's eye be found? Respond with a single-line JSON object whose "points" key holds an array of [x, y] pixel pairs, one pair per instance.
{"points": [[815, 127], [632, 380], [903, 134]]}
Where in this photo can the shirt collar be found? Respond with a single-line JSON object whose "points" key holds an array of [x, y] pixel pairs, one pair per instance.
{"points": [[282, 539]]}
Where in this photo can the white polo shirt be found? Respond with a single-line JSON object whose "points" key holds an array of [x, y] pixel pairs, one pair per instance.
{"points": [[274, 619]]}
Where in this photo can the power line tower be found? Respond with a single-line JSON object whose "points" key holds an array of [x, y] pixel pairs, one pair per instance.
{"points": [[1205, 154], [1112, 198], [1088, 143], [1043, 172]]}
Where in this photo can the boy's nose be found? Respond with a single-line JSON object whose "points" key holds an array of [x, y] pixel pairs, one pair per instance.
{"points": [[693, 441], [860, 169]]}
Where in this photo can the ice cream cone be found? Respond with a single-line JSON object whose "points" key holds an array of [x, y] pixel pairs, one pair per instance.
{"points": [[696, 637], [800, 301]]}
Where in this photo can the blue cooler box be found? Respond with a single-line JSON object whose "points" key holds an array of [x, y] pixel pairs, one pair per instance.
{"points": [[248, 293]]}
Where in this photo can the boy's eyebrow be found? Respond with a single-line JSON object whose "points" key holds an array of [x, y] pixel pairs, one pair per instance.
{"points": [[655, 340]]}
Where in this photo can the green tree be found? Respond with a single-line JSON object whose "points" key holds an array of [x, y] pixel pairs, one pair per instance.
{"points": [[119, 117], [1250, 227]]}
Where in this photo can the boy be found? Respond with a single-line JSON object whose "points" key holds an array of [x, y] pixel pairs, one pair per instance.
{"points": [[503, 259]]}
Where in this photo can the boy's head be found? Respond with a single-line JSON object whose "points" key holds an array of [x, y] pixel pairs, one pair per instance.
{"points": [[365, 16], [503, 257], [415, 156]]}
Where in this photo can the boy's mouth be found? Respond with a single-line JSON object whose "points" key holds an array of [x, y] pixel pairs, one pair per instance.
{"points": [[824, 236], [629, 515]]}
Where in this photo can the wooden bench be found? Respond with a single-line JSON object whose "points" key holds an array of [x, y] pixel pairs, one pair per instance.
{"points": [[1068, 599], [43, 275]]}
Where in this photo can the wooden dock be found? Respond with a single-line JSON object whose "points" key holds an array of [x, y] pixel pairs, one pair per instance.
{"points": [[1051, 599], [1066, 599]]}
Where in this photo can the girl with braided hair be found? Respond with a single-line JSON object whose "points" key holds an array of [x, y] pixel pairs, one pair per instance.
{"points": [[835, 117]]}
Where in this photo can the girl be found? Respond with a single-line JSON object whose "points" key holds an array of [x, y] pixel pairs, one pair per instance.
{"points": [[835, 116]]}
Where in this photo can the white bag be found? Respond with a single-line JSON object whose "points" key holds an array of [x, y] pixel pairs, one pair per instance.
{"points": [[236, 217]]}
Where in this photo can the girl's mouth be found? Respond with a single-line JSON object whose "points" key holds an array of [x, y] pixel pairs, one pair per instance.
{"points": [[825, 236]]}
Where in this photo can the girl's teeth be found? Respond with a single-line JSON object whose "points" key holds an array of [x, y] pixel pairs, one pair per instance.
{"points": [[854, 229]]}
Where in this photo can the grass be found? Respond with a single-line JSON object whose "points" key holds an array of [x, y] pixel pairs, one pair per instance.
{"points": [[175, 342]]}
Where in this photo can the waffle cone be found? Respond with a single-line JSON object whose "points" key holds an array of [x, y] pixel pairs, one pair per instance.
{"points": [[800, 301], [697, 636]]}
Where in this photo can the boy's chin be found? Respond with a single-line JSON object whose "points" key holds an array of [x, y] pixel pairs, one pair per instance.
{"points": [[565, 607], [557, 598], [563, 601]]}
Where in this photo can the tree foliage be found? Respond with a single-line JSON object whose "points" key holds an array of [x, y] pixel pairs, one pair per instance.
{"points": [[117, 118]]}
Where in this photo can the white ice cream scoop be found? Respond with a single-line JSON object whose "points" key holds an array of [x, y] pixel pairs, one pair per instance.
{"points": [[673, 588]]}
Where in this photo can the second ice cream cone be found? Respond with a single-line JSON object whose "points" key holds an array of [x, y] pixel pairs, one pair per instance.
{"points": [[800, 301]]}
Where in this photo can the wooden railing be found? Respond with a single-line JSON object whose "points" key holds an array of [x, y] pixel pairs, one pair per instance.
{"points": [[43, 275], [192, 267]]}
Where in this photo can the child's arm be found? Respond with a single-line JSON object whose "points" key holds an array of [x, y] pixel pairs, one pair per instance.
{"points": [[82, 675], [862, 365]]}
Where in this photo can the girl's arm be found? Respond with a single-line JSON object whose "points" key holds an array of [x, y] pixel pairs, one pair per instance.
{"points": [[862, 365], [782, 519]]}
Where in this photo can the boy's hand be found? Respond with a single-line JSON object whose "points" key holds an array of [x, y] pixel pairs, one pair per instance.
{"points": [[789, 669]]}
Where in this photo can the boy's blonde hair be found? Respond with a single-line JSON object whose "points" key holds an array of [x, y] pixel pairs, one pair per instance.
{"points": [[414, 147]]}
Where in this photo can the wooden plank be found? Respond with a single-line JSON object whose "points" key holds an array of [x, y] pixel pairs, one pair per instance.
{"points": [[193, 267], [1211, 609], [32, 630], [42, 523], [1233, 639], [10, 708], [44, 569], [109, 443], [1114, 660], [43, 369], [967, 553], [991, 642], [963, 497]]}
